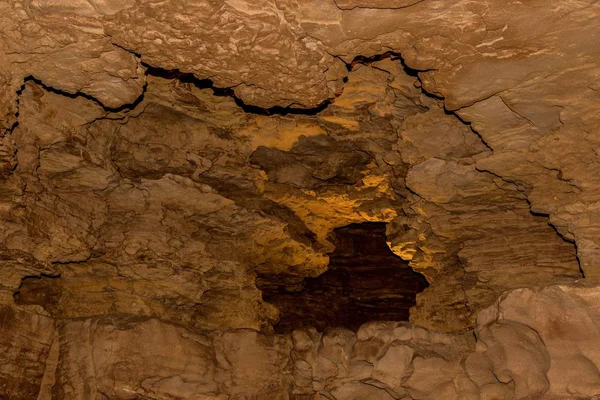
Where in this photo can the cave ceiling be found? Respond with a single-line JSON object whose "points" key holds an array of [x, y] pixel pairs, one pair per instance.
{"points": [[170, 159]]}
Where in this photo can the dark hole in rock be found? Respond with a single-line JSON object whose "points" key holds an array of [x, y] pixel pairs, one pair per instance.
{"points": [[39, 290], [365, 282]]}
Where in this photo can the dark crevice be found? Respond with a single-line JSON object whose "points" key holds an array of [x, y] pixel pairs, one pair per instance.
{"points": [[38, 290], [125, 107], [82, 261], [206, 83], [365, 282], [470, 126], [581, 271], [363, 60], [394, 56], [187, 77], [294, 109], [388, 55], [16, 123], [563, 237], [379, 8], [278, 110]]}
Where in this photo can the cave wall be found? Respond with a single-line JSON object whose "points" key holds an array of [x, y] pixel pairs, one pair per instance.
{"points": [[156, 157], [170, 209], [364, 282], [531, 343]]}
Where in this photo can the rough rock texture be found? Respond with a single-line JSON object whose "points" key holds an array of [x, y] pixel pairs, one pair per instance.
{"points": [[530, 344], [364, 282], [156, 157]]}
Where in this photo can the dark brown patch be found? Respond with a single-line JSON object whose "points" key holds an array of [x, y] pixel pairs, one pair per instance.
{"points": [[365, 282]]}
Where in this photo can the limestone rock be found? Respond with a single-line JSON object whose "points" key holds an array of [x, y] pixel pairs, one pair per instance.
{"points": [[523, 348], [565, 322], [161, 161], [350, 4], [234, 44]]}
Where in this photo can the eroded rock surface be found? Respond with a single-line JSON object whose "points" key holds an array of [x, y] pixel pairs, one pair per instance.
{"points": [[530, 344], [156, 157], [364, 282]]}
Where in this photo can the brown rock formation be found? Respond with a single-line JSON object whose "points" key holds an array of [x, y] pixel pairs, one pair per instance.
{"points": [[162, 162], [531, 343], [364, 282]]}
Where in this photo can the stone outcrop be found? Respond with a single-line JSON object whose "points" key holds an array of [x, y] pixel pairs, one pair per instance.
{"points": [[531, 343], [161, 161]]}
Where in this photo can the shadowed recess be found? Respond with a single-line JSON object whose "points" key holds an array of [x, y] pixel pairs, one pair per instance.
{"points": [[365, 282]]}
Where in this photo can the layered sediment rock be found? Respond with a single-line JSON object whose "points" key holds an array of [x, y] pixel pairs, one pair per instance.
{"points": [[156, 158], [364, 282], [531, 343]]}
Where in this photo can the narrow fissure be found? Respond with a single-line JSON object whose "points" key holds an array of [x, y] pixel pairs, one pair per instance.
{"points": [[124, 107], [187, 77]]}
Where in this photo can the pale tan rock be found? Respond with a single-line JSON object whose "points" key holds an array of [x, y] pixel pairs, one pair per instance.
{"points": [[393, 368], [258, 366], [159, 196], [207, 39], [170, 361], [518, 355], [564, 326], [434, 378]]}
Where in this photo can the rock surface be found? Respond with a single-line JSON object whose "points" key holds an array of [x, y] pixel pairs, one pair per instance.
{"points": [[157, 157], [535, 343], [364, 282]]}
